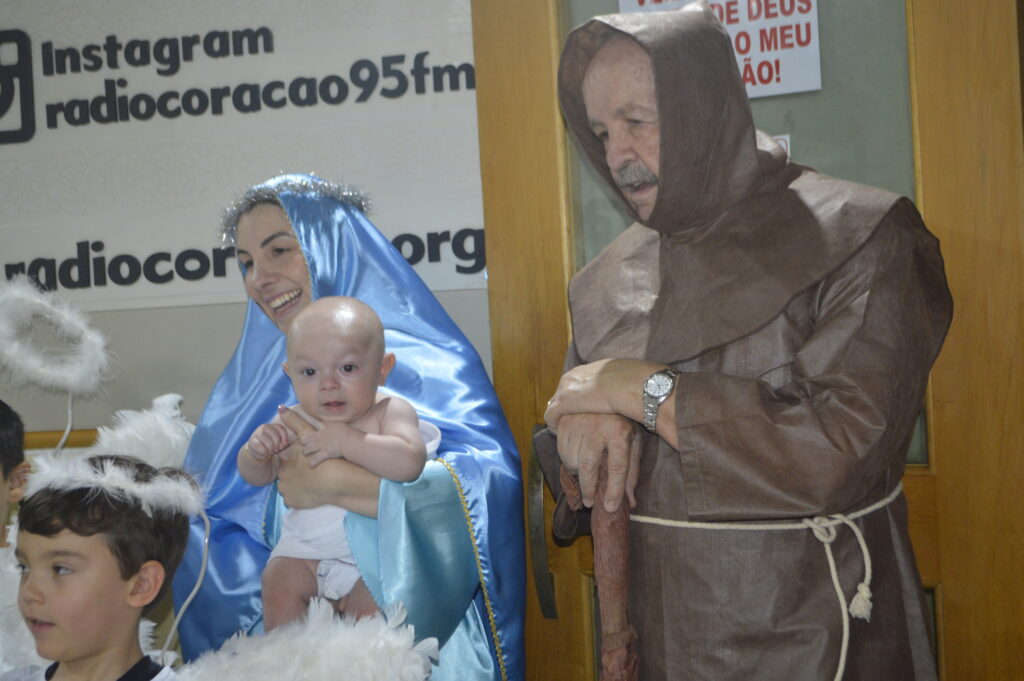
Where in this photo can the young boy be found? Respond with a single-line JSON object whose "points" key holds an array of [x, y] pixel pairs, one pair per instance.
{"points": [[98, 541], [336, 361], [13, 466]]}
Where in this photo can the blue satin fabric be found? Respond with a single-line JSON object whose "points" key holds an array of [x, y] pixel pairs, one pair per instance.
{"points": [[440, 544]]}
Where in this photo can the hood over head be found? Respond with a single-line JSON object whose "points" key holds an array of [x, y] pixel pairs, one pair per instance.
{"points": [[708, 156]]}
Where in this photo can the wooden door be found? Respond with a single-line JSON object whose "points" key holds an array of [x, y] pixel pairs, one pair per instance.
{"points": [[526, 195], [966, 505], [966, 77]]}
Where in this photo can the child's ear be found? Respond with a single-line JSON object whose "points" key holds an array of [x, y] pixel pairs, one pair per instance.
{"points": [[146, 584], [386, 365], [284, 366], [17, 481]]}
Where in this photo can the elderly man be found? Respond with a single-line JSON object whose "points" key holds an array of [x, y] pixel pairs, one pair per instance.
{"points": [[747, 362]]}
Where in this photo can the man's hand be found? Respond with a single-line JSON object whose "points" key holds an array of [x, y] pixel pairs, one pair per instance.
{"points": [[585, 441], [579, 391], [608, 386]]}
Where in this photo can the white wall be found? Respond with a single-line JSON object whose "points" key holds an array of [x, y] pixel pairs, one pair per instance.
{"points": [[182, 350]]}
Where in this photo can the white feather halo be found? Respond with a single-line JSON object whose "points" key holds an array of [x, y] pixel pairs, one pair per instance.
{"points": [[68, 472], [80, 370]]}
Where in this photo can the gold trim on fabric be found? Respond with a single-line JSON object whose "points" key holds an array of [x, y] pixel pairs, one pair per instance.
{"points": [[479, 569]]}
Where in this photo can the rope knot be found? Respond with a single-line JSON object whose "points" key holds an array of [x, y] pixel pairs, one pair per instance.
{"points": [[860, 606], [823, 528]]}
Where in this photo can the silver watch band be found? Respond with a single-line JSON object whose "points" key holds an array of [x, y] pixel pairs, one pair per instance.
{"points": [[651, 414], [653, 402]]}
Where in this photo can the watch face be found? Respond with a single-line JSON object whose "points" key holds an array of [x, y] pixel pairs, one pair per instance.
{"points": [[659, 384]]}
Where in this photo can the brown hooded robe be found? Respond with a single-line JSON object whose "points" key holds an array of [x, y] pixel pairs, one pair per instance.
{"points": [[805, 313]]}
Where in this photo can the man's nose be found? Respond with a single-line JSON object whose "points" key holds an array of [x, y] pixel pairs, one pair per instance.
{"points": [[619, 150]]}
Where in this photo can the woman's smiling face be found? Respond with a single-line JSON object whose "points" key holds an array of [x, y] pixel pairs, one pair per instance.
{"points": [[276, 276]]}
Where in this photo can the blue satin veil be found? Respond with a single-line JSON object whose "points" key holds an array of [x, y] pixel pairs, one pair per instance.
{"points": [[449, 546]]}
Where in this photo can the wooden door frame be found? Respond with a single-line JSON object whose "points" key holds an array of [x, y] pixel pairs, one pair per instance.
{"points": [[965, 75], [969, 161]]}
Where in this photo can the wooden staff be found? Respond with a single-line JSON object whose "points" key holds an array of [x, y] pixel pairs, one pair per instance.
{"points": [[619, 660]]}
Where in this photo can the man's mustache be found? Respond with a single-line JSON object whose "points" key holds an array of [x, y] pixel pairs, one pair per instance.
{"points": [[633, 175]]}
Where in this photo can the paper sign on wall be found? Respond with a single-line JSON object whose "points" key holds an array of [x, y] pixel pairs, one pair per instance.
{"points": [[775, 41]]}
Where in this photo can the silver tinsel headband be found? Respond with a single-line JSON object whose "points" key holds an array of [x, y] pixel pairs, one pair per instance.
{"points": [[269, 192]]}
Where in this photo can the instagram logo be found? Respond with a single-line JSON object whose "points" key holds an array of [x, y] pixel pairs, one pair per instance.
{"points": [[17, 116]]}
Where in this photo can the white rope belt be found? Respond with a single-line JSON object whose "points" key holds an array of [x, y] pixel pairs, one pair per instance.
{"points": [[824, 530]]}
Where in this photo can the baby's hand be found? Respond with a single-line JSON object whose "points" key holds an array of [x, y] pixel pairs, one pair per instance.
{"points": [[268, 440], [321, 444]]}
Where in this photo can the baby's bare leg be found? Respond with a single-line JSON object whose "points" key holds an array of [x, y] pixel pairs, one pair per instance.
{"points": [[288, 584], [357, 602]]}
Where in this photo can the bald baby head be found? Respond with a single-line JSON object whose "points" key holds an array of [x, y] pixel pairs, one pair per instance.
{"points": [[340, 316], [336, 359]]}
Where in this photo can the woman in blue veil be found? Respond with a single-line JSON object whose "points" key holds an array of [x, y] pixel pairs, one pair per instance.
{"points": [[448, 546]]}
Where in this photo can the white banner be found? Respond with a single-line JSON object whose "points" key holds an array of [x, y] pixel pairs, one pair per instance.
{"points": [[775, 41], [127, 125]]}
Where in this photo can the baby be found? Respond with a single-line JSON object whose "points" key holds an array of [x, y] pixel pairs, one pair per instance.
{"points": [[336, 361]]}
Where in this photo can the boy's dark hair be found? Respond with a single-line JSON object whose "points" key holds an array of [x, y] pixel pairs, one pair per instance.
{"points": [[132, 535], [12, 439]]}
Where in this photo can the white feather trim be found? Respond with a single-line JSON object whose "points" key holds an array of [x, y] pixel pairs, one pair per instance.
{"points": [[322, 648], [158, 435], [80, 368], [68, 472]]}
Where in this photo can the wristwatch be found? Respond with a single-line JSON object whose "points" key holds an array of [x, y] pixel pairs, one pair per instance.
{"points": [[657, 388]]}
